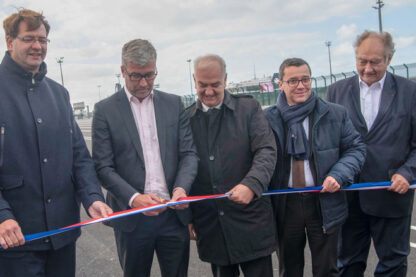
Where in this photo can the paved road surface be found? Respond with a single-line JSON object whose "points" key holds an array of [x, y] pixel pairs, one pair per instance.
{"points": [[97, 254]]}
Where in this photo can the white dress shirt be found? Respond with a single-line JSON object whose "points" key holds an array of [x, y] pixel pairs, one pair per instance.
{"points": [[308, 173], [144, 117], [370, 97], [205, 108]]}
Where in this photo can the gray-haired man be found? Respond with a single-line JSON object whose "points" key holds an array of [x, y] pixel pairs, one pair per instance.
{"points": [[382, 109], [144, 154]]}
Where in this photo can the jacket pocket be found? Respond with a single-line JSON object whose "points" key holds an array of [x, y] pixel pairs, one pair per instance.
{"points": [[8, 182], [2, 134]]}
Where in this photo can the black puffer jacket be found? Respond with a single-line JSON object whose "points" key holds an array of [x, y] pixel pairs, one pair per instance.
{"points": [[338, 151]]}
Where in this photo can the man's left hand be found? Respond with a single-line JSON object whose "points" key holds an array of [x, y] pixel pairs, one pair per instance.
{"points": [[99, 209], [241, 194], [178, 194], [330, 185], [399, 184]]}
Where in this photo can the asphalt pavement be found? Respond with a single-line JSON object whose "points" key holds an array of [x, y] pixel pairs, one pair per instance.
{"points": [[97, 253]]}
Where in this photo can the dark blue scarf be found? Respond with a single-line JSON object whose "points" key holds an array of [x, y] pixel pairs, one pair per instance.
{"points": [[297, 143]]}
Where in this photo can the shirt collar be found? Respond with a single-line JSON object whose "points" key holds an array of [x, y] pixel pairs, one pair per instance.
{"points": [[379, 83], [205, 108]]}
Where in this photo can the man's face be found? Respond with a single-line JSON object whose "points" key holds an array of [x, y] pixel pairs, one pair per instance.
{"points": [[296, 94], [210, 82], [371, 61], [143, 87], [29, 55]]}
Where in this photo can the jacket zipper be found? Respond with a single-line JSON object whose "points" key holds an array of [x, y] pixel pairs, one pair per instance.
{"points": [[316, 167], [2, 132]]}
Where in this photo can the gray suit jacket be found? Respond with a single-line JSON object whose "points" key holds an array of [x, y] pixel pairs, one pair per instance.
{"points": [[391, 141], [118, 154]]}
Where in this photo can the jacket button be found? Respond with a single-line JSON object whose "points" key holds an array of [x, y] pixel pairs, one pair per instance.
{"points": [[211, 158], [31, 89], [39, 120], [46, 240], [45, 160], [48, 200], [221, 213]]}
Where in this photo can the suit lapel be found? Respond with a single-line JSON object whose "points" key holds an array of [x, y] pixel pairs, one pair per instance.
{"points": [[387, 95], [130, 124], [161, 119], [356, 105]]}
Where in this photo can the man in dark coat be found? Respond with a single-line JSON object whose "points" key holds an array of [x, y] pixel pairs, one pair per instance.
{"points": [[237, 154], [382, 108], [45, 166], [317, 146]]}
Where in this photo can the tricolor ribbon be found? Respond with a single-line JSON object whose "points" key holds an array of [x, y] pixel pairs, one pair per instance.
{"points": [[190, 199]]}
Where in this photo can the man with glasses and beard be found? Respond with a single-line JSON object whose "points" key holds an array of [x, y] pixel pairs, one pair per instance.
{"points": [[317, 146], [144, 154]]}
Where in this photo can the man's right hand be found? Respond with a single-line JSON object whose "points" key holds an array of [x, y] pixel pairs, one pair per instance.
{"points": [[10, 234], [142, 200]]}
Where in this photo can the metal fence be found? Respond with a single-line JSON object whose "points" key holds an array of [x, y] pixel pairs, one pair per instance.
{"points": [[319, 85]]}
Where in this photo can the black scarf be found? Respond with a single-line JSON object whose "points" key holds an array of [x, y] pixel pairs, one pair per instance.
{"points": [[297, 143]]}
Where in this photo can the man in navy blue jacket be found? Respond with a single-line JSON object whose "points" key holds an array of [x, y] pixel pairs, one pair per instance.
{"points": [[317, 146], [45, 166]]}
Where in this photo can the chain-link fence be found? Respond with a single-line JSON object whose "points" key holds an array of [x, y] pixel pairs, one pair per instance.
{"points": [[319, 85]]}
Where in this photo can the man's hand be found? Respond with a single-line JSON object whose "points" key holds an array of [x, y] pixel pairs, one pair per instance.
{"points": [[399, 184], [192, 234], [142, 200], [11, 234], [99, 209], [330, 185], [241, 194], [178, 194]]}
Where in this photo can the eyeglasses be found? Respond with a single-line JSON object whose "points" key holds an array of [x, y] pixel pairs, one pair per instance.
{"points": [[31, 39], [293, 83], [363, 62], [137, 77]]}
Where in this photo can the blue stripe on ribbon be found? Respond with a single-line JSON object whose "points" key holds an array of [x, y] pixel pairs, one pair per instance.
{"points": [[353, 187]]}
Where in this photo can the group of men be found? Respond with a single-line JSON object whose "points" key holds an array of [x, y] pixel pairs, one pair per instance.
{"points": [[147, 149]]}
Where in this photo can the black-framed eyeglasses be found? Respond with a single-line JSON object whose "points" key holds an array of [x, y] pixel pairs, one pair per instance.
{"points": [[137, 77], [32, 39], [293, 83]]}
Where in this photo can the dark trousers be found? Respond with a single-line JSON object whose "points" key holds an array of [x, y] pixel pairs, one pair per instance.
{"points": [[259, 267], [164, 234], [390, 237], [49, 263], [302, 218]]}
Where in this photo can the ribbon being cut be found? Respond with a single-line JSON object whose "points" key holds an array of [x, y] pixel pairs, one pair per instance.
{"points": [[353, 187]]}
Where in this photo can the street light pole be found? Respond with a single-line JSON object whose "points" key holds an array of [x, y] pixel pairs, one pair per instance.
{"points": [[60, 61], [99, 92], [380, 4], [118, 85], [328, 44], [190, 76]]}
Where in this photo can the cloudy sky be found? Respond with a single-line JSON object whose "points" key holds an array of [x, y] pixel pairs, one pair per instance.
{"points": [[249, 34]]}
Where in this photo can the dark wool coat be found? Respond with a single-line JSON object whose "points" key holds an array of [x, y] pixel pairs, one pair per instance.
{"points": [[240, 150]]}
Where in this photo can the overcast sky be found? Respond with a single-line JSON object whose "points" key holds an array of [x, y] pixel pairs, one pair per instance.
{"points": [[258, 34]]}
